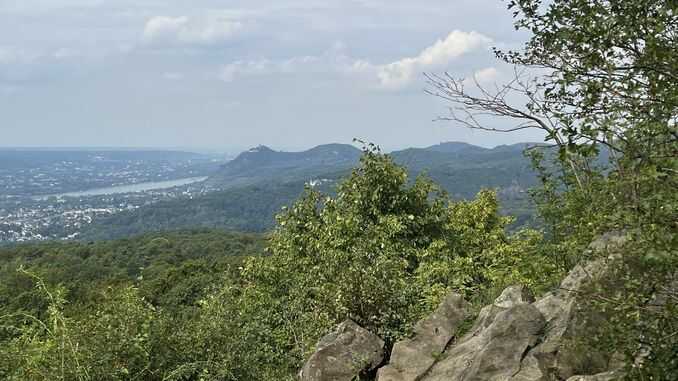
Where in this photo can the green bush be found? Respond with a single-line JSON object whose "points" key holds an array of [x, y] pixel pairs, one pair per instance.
{"points": [[383, 252]]}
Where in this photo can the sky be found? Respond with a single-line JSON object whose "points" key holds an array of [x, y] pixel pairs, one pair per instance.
{"points": [[232, 74]]}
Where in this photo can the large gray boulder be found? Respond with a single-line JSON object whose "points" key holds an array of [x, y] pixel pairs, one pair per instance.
{"points": [[513, 339], [495, 346], [519, 339], [412, 358], [560, 355], [345, 353]]}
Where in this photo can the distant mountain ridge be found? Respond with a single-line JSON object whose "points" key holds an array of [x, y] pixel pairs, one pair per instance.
{"points": [[453, 147], [327, 154], [262, 164], [461, 168], [257, 183]]}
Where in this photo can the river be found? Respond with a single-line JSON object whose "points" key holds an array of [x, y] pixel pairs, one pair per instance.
{"points": [[132, 188]]}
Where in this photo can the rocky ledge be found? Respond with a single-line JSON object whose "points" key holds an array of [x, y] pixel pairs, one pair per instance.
{"points": [[516, 338]]}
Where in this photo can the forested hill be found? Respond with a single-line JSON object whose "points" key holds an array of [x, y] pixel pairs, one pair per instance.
{"points": [[461, 168], [262, 164], [259, 182], [171, 269], [249, 208]]}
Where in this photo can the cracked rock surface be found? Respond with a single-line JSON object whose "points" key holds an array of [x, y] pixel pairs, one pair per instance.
{"points": [[344, 354], [513, 339], [412, 358], [496, 345]]}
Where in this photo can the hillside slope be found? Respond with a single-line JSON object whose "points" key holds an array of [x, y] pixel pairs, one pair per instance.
{"points": [[262, 164], [259, 182], [460, 168]]}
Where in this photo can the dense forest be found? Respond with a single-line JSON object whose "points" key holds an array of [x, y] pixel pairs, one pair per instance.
{"points": [[257, 184], [385, 247], [248, 209], [169, 301], [181, 263]]}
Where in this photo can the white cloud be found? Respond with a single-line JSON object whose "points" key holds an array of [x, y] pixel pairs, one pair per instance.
{"points": [[162, 27], [483, 76], [393, 76], [401, 73], [234, 70], [207, 30], [333, 60]]}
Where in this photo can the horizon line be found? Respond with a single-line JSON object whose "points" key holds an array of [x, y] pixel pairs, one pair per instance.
{"points": [[190, 149]]}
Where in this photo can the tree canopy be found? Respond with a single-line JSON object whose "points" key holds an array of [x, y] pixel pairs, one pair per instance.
{"points": [[600, 75]]}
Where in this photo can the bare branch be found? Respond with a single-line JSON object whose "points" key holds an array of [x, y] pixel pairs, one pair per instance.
{"points": [[467, 109]]}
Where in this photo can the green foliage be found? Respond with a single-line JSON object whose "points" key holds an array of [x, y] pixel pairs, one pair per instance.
{"points": [[384, 249], [119, 310], [117, 339], [612, 70], [382, 252], [110, 344], [172, 268], [259, 185], [612, 85], [41, 350], [638, 302], [598, 78], [247, 209]]}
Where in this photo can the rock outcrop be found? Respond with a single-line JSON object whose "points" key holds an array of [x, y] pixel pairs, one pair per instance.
{"points": [[494, 347], [558, 356], [344, 354], [412, 358], [514, 339]]}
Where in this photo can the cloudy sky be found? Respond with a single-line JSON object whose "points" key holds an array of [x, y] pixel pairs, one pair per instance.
{"points": [[237, 73]]}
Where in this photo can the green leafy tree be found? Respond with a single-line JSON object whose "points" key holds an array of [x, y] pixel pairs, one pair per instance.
{"points": [[110, 344], [382, 252], [598, 78], [140, 308]]}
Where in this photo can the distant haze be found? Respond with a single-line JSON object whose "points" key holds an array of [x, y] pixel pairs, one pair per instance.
{"points": [[226, 76]]}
